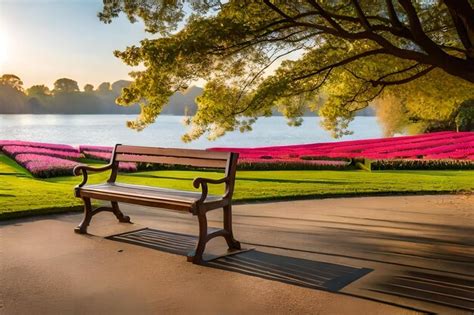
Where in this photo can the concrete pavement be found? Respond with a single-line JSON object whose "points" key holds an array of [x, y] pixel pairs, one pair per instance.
{"points": [[331, 256]]}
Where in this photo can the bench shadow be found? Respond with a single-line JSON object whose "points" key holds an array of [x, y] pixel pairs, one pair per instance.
{"points": [[435, 288], [290, 270]]}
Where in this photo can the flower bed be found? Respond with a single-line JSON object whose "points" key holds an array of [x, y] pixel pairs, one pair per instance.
{"points": [[45, 166], [98, 155], [51, 146], [105, 156], [128, 167], [282, 164], [441, 150], [448, 145], [43, 159], [95, 148], [50, 160], [417, 164], [14, 150]]}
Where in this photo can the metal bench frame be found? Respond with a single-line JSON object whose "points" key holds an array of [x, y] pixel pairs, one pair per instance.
{"points": [[198, 207]]}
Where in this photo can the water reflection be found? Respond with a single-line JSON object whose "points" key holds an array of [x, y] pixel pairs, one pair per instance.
{"points": [[167, 131]]}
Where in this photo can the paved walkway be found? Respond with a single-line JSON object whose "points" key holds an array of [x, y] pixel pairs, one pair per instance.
{"points": [[381, 255]]}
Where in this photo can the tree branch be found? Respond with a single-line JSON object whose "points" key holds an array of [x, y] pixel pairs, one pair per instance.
{"points": [[417, 30], [463, 18], [326, 16], [269, 4], [365, 23], [343, 62], [402, 81], [258, 74], [399, 71], [393, 16]]}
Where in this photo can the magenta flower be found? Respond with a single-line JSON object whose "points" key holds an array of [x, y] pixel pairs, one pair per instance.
{"points": [[448, 143]]}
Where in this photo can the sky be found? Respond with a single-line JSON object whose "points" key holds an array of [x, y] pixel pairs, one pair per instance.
{"points": [[44, 40]]}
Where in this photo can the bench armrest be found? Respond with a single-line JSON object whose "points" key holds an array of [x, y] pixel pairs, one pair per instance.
{"points": [[203, 182], [83, 169]]}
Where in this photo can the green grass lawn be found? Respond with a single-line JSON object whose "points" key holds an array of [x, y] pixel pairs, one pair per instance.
{"points": [[21, 194]]}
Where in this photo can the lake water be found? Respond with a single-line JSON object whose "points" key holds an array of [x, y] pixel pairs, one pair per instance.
{"points": [[167, 131]]}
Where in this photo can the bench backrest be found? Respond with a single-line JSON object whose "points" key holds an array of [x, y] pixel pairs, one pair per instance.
{"points": [[174, 156]]}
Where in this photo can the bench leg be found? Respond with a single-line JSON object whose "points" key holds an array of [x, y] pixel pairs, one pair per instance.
{"points": [[229, 236], [196, 256], [119, 214], [82, 227]]}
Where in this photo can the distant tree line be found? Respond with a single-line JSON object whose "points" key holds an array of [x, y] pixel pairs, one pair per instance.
{"points": [[67, 98]]}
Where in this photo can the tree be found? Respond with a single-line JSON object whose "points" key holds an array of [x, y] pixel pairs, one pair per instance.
{"points": [[104, 87], [65, 85], [88, 88], [465, 116], [12, 81], [38, 90], [117, 86], [12, 97], [350, 52], [423, 105]]}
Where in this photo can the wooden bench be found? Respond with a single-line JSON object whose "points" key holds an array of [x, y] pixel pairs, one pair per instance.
{"points": [[198, 203]]}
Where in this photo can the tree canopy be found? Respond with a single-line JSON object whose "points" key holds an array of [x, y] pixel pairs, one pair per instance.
{"points": [[104, 87], [38, 90], [66, 85], [337, 57], [39, 99], [12, 81], [88, 88]]}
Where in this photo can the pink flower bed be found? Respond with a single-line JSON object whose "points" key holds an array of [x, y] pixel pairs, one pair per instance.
{"points": [[98, 155], [448, 145], [127, 167], [45, 166], [46, 159], [14, 150], [95, 148], [43, 159], [51, 146], [288, 164], [308, 162], [49, 160], [105, 156]]}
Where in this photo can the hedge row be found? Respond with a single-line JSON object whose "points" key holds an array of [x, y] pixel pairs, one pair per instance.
{"points": [[377, 165], [290, 165], [323, 158]]}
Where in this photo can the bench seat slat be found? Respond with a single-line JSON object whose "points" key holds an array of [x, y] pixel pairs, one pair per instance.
{"points": [[173, 152], [145, 192], [196, 162]]}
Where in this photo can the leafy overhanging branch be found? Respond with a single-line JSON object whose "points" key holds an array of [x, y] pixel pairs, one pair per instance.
{"points": [[350, 50]]}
